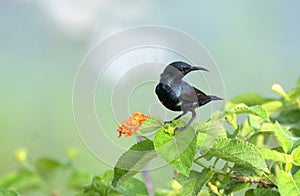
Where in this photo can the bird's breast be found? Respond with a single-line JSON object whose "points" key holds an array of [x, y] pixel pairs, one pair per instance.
{"points": [[168, 96]]}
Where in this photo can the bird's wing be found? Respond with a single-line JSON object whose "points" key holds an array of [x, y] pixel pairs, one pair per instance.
{"points": [[191, 94]]}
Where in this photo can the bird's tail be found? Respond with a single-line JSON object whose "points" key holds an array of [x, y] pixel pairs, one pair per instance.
{"points": [[212, 98]]}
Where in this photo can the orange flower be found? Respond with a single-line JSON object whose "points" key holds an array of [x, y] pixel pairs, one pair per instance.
{"points": [[131, 124]]}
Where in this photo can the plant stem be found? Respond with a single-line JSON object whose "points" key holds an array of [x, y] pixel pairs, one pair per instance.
{"points": [[146, 175], [198, 158], [213, 169], [215, 163], [148, 181]]}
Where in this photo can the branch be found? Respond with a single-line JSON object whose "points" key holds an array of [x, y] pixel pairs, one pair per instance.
{"points": [[263, 182]]}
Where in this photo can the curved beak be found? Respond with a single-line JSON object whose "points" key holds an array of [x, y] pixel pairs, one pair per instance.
{"points": [[198, 68]]}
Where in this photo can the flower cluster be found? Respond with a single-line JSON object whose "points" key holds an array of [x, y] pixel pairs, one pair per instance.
{"points": [[131, 124]]}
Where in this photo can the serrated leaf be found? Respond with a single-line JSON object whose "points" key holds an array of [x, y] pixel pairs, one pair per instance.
{"points": [[193, 184], [249, 99], [255, 110], [273, 155], [234, 186], [283, 137], [287, 184], [7, 192], [209, 132], [151, 124], [133, 161], [296, 156], [178, 150], [239, 152], [240, 170]]}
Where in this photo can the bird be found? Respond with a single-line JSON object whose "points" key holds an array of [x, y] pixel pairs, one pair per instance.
{"points": [[177, 95]]}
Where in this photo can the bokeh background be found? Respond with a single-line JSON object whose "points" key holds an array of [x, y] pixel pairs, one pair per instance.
{"points": [[42, 43]]}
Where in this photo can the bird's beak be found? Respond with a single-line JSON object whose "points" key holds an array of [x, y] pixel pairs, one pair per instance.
{"points": [[198, 68]]}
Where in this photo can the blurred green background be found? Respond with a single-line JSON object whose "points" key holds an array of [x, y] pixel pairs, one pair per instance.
{"points": [[42, 43]]}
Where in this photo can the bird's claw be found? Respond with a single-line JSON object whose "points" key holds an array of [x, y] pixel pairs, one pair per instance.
{"points": [[168, 122], [179, 129]]}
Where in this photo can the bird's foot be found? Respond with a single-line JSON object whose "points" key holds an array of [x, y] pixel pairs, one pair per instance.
{"points": [[179, 129]]}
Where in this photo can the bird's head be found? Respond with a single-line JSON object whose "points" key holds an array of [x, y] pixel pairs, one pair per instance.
{"points": [[179, 69]]}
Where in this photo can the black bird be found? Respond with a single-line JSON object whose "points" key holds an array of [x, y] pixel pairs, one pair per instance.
{"points": [[177, 95]]}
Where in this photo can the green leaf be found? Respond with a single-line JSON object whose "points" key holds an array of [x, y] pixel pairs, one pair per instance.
{"points": [[77, 179], [273, 155], [209, 132], [101, 185], [7, 192], [133, 161], [193, 184], [261, 138], [166, 192], [278, 89], [296, 156], [283, 137], [241, 170], [296, 142], [239, 152], [272, 106], [234, 186], [249, 99], [261, 192], [254, 122], [105, 178], [298, 82], [22, 180], [134, 186], [151, 124], [46, 166], [178, 150], [255, 110], [294, 95], [287, 184], [289, 117]]}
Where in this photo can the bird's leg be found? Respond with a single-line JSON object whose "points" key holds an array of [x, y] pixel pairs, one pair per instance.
{"points": [[189, 123], [176, 118]]}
